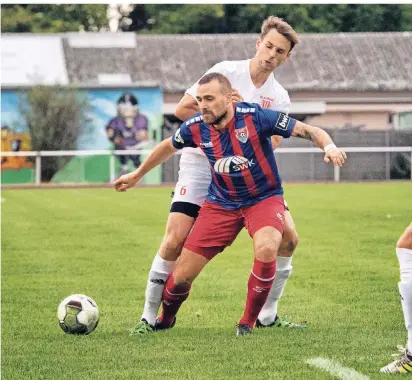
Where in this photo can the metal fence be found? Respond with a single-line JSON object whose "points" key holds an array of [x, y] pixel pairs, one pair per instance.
{"points": [[301, 164], [364, 163]]}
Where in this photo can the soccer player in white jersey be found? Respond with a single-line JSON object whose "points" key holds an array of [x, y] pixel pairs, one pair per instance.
{"points": [[403, 364], [254, 82]]}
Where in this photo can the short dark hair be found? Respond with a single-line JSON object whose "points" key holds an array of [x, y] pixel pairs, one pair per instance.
{"points": [[225, 85], [281, 27]]}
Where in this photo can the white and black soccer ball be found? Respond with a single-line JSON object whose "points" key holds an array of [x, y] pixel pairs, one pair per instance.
{"points": [[78, 314]]}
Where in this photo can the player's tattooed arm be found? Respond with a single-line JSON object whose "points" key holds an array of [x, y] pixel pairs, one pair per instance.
{"points": [[322, 139], [317, 135]]}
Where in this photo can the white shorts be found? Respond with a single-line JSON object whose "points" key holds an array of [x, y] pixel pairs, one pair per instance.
{"points": [[194, 179]]}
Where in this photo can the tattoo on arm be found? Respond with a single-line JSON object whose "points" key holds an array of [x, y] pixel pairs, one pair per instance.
{"points": [[305, 134]]}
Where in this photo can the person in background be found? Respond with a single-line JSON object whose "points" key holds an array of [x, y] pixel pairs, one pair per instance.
{"points": [[128, 129]]}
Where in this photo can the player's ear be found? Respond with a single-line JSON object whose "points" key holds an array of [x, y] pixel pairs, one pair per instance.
{"points": [[229, 98], [258, 41], [288, 55]]}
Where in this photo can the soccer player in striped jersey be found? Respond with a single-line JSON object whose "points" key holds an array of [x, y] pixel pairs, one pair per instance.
{"points": [[403, 364], [245, 191], [254, 82]]}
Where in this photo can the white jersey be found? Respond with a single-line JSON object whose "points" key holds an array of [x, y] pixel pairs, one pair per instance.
{"points": [[271, 95], [194, 171]]}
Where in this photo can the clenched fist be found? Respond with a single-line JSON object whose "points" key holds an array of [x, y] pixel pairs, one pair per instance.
{"points": [[125, 182]]}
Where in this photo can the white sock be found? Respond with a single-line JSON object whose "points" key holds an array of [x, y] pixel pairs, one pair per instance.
{"points": [[405, 289], [270, 309], [159, 272]]}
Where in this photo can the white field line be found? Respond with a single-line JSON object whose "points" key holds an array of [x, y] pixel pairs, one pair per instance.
{"points": [[336, 369]]}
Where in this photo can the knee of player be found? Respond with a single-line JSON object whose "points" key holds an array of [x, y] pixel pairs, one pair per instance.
{"points": [[405, 241], [174, 240], [290, 244], [266, 251]]}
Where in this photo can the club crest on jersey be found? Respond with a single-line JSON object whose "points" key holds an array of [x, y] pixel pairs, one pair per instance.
{"points": [[242, 134], [266, 102]]}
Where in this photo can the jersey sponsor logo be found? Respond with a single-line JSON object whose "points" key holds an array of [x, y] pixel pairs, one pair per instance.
{"points": [[242, 134], [208, 144], [178, 137], [282, 122], [245, 110], [232, 164], [196, 119]]}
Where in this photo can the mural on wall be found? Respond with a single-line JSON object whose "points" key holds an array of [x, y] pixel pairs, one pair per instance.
{"points": [[120, 119], [110, 104], [14, 135]]}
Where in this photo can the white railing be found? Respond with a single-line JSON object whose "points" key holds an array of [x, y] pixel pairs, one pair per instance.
{"points": [[39, 154]]}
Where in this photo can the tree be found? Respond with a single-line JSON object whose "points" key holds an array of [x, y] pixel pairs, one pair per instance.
{"points": [[139, 19], [406, 21], [48, 18], [186, 18], [55, 116], [207, 18]]}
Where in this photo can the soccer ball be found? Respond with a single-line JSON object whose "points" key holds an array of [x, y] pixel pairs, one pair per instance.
{"points": [[78, 314]]}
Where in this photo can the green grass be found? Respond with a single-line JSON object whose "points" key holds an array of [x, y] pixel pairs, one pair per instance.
{"points": [[101, 243]]}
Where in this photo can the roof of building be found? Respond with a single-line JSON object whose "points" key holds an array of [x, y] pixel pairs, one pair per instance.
{"points": [[321, 62]]}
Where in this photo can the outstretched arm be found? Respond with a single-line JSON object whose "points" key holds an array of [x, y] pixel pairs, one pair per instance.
{"points": [[160, 154], [322, 139]]}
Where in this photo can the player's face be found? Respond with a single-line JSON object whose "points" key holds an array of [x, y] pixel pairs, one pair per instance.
{"points": [[272, 50], [213, 104]]}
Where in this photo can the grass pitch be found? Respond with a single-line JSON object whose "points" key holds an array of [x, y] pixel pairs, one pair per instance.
{"points": [[101, 243]]}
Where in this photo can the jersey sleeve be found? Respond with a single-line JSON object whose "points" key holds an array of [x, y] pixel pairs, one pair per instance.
{"points": [[218, 68], [284, 105], [275, 123], [183, 138]]}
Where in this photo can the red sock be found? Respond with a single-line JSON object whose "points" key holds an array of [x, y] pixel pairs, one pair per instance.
{"points": [[173, 297], [259, 284]]}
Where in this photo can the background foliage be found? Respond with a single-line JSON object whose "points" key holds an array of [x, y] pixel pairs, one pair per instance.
{"points": [[208, 18]]}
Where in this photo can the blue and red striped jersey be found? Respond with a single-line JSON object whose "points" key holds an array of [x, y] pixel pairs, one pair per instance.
{"points": [[241, 158]]}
